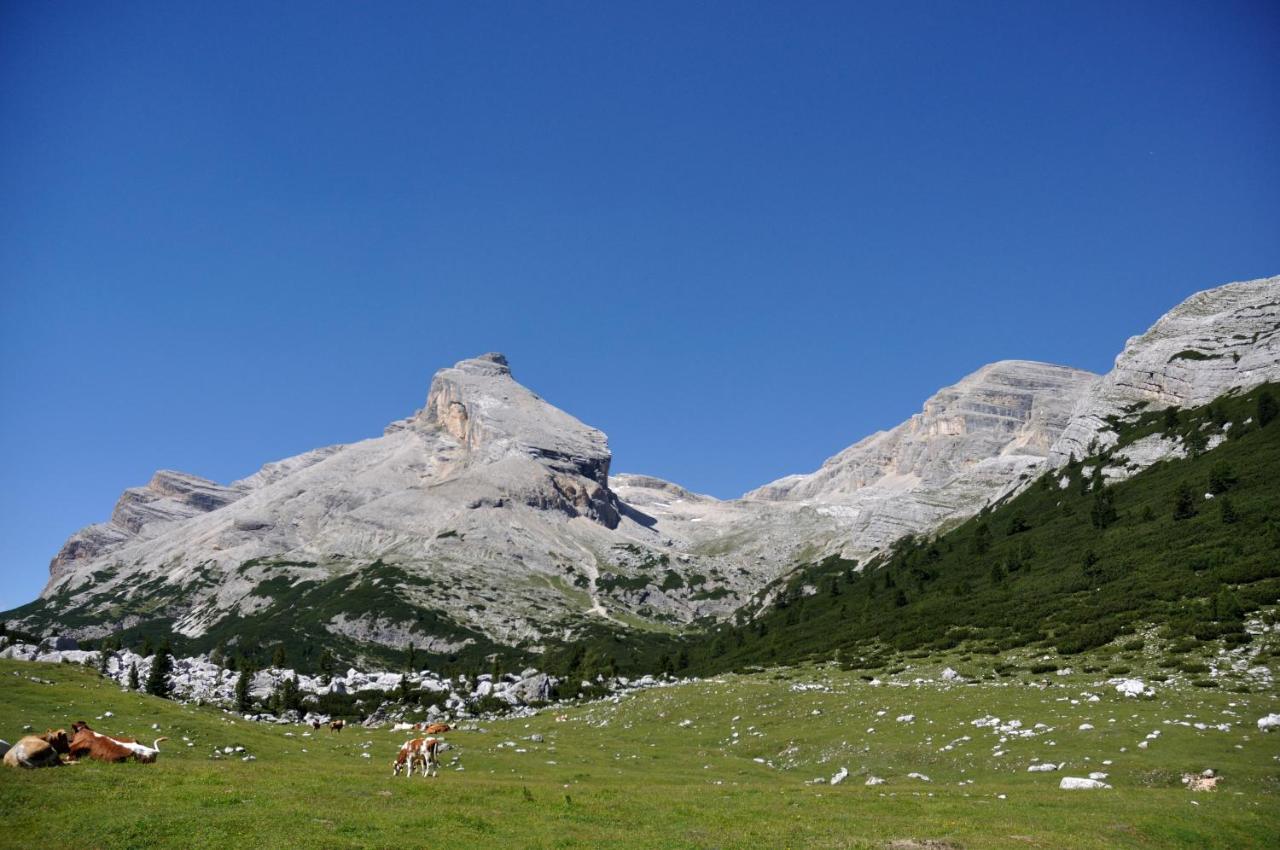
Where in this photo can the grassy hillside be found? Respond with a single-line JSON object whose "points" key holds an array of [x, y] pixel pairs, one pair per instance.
{"points": [[1070, 564], [665, 769]]}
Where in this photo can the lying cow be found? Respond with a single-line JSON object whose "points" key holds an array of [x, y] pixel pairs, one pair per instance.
{"points": [[422, 752], [39, 750], [95, 745], [438, 728]]}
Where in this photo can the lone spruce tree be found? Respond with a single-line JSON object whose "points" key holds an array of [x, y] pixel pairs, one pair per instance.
{"points": [[243, 698], [133, 676], [161, 666]]}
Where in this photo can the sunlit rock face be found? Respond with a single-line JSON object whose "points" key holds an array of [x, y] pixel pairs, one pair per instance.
{"points": [[1216, 341], [970, 442]]}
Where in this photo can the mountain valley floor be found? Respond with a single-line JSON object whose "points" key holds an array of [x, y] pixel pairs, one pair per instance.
{"points": [[729, 761]]}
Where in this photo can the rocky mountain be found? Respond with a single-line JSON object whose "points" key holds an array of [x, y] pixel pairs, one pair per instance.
{"points": [[1217, 341], [969, 442], [489, 519], [486, 518]]}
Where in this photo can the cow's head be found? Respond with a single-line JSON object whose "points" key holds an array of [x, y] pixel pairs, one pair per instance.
{"points": [[57, 738]]}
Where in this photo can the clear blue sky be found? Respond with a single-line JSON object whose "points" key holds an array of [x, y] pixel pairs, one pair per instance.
{"points": [[736, 237]]}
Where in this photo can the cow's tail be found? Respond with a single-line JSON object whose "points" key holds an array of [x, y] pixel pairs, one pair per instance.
{"points": [[156, 746]]}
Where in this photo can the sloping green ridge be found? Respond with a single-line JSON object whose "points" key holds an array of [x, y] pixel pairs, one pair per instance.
{"points": [[1069, 567]]}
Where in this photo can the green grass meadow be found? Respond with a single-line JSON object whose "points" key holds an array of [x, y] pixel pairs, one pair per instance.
{"points": [[664, 769]]}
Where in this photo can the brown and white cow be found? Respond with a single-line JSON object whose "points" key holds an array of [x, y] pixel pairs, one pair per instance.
{"points": [[336, 725], [95, 745], [421, 752], [39, 750], [427, 728]]}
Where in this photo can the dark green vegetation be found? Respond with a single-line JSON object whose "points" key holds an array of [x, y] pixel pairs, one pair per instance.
{"points": [[299, 600], [636, 774], [1070, 563]]}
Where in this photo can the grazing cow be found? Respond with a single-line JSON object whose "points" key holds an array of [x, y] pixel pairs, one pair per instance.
{"points": [[101, 747], [315, 725], [422, 752], [336, 725], [39, 750]]}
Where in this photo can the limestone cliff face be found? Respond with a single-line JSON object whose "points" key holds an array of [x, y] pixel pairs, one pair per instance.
{"points": [[967, 444], [492, 417], [167, 498], [489, 494], [1216, 341]]}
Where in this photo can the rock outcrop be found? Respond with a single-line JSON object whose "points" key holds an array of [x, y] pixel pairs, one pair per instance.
{"points": [[167, 498], [969, 442], [1216, 341]]}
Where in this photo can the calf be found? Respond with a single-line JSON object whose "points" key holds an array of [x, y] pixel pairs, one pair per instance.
{"points": [[101, 747], [39, 750], [315, 725]]}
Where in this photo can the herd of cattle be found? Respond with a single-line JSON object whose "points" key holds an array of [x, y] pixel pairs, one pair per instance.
{"points": [[56, 748]]}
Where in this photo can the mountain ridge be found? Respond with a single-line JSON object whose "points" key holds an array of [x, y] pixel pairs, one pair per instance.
{"points": [[497, 513]]}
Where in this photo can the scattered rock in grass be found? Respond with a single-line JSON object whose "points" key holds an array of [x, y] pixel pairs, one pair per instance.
{"points": [[874, 780], [1133, 688], [840, 776], [1047, 767], [1269, 722], [1206, 780], [1076, 783], [919, 776]]}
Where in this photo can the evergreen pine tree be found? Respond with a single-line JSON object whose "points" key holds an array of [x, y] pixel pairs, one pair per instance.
{"points": [[1104, 509], [326, 666], [1221, 478], [243, 697], [1184, 506], [1227, 510], [291, 694], [1267, 408], [278, 658], [981, 539], [161, 666], [133, 676]]}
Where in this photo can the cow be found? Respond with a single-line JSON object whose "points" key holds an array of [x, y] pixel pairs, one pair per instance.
{"points": [[39, 750], [422, 752], [95, 745], [336, 725], [438, 728], [315, 725]]}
